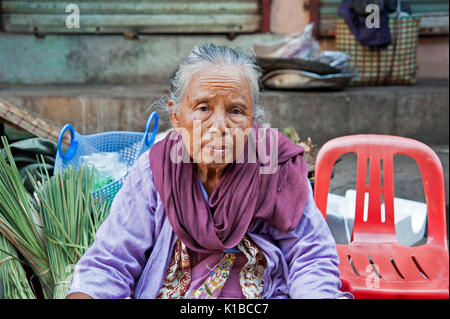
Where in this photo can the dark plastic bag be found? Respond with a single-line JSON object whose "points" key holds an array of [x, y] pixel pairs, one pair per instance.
{"points": [[28, 155]]}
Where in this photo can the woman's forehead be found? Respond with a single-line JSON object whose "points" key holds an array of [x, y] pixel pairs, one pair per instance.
{"points": [[210, 80]]}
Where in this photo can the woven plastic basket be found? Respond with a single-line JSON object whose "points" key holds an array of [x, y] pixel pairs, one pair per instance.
{"points": [[129, 145]]}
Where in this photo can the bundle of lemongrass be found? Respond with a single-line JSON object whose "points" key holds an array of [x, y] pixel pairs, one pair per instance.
{"points": [[63, 209], [70, 218], [13, 278], [19, 222]]}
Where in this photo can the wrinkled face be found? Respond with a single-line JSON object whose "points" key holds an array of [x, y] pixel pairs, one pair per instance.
{"points": [[215, 115]]}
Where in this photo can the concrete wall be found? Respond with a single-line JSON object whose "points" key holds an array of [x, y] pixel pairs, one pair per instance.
{"points": [[432, 56], [60, 59], [288, 16], [26, 59], [419, 112]]}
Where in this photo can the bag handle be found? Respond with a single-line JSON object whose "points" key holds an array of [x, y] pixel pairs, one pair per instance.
{"points": [[150, 138], [394, 43], [73, 144]]}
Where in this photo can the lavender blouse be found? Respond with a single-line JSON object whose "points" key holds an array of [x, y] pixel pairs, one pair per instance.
{"points": [[134, 245]]}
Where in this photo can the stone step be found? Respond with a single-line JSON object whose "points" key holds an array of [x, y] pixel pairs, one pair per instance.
{"points": [[419, 111]]}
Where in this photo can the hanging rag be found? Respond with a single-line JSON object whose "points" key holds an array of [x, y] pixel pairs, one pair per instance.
{"points": [[371, 37]]}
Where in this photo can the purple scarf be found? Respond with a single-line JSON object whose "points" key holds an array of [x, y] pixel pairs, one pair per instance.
{"points": [[241, 196]]}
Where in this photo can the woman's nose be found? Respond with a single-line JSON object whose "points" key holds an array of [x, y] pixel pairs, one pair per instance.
{"points": [[219, 122]]}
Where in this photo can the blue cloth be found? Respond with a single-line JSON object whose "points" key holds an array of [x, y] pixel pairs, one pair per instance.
{"points": [[373, 37], [203, 190]]}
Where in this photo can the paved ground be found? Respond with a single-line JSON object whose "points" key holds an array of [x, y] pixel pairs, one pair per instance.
{"points": [[407, 180]]}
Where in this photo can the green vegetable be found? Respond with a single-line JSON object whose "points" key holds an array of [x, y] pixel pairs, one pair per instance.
{"points": [[291, 133], [12, 275], [53, 229], [100, 179], [70, 218], [18, 221]]}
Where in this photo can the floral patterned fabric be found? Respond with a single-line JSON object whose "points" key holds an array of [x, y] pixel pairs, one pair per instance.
{"points": [[252, 274], [212, 287], [178, 274]]}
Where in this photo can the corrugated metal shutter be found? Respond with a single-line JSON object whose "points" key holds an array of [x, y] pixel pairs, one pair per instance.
{"points": [[434, 13], [143, 16]]}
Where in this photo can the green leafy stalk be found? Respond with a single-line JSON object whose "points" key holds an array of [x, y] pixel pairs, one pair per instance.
{"points": [[12, 275], [71, 217], [18, 221], [52, 230]]}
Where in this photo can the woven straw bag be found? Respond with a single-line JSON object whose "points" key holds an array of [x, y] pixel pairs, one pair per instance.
{"points": [[393, 65]]}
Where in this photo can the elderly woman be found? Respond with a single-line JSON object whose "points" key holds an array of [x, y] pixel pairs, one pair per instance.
{"points": [[216, 225]]}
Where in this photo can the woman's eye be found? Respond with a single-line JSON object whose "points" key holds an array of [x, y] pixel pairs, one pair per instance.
{"points": [[236, 111], [203, 108]]}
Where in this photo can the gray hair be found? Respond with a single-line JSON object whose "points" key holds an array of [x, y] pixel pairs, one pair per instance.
{"points": [[210, 54]]}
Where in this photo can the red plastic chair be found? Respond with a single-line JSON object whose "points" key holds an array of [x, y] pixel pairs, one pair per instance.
{"points": [[374, 264]]}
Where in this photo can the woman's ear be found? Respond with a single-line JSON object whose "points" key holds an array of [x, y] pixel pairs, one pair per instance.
{"points": [[174, 115]]}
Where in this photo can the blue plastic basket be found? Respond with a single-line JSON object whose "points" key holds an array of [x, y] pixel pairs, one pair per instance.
{"points": [[130, 145]]}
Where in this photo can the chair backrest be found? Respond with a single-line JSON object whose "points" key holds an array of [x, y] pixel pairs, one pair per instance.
{"points": [[372, 152]]}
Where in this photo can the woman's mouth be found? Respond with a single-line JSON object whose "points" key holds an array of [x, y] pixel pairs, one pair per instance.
{"points": [[216, 149]]}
